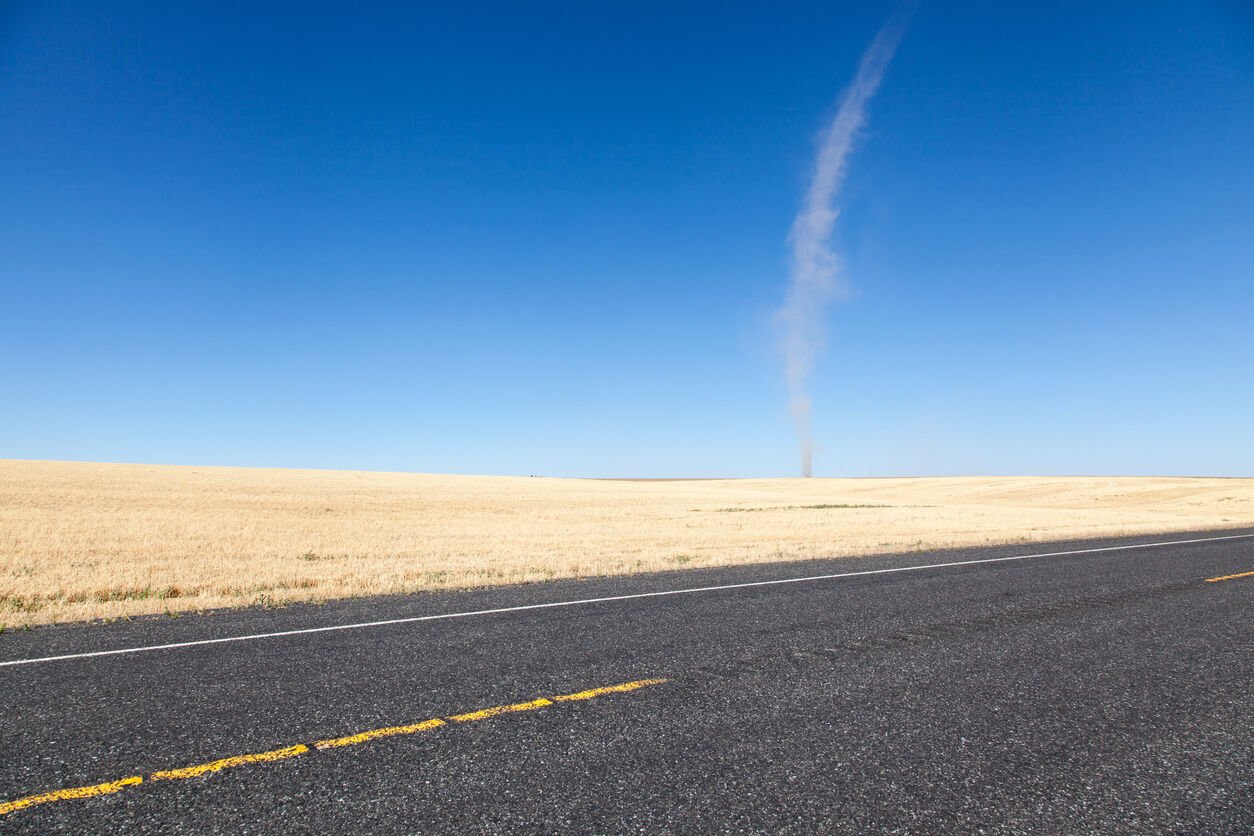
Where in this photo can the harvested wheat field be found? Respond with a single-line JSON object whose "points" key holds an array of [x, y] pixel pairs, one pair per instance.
{"points": [[85, 541]]}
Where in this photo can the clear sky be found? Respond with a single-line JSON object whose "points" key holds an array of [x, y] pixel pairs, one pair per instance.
{"points": [[541, 238]]}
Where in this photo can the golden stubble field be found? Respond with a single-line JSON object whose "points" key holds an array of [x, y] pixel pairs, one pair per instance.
{"points": [[84, 541]]}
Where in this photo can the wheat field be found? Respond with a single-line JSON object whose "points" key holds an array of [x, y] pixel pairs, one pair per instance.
{"points": [[83, 541]]}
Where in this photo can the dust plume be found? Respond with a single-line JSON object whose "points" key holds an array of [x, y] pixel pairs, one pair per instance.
{"points": [[814, 275]]}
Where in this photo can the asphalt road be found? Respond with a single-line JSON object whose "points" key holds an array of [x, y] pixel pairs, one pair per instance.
{"points": [[1106, 691]]}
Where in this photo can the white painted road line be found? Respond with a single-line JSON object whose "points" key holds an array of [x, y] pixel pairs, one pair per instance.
{"points": [[607, 599]]}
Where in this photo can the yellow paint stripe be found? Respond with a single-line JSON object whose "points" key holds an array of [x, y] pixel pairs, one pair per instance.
{"points": [[72, 792], [301, 748], [485, 713], [227, 763], [1230, 577], [373, 734], [609, 689]]}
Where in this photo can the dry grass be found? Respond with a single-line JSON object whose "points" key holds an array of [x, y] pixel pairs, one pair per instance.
{"points": [[83, 541]]}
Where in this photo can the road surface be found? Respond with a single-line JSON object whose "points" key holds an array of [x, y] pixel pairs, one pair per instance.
{"points": [[1084, 686]]}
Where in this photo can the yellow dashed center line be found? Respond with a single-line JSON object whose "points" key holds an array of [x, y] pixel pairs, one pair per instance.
{"points": [[608, 689], [72, 792], [227, 763], [301, 748], [374, 734], [1230, 577], [485, 713]]}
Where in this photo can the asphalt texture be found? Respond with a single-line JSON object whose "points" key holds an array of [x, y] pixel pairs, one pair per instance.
{"points": [[1101, 692]]}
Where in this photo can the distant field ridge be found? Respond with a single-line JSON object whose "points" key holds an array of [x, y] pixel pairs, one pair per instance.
{"points": [[84, 541]]}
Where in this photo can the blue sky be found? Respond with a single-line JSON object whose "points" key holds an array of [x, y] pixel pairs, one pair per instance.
{"points": [[550, 241]]}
